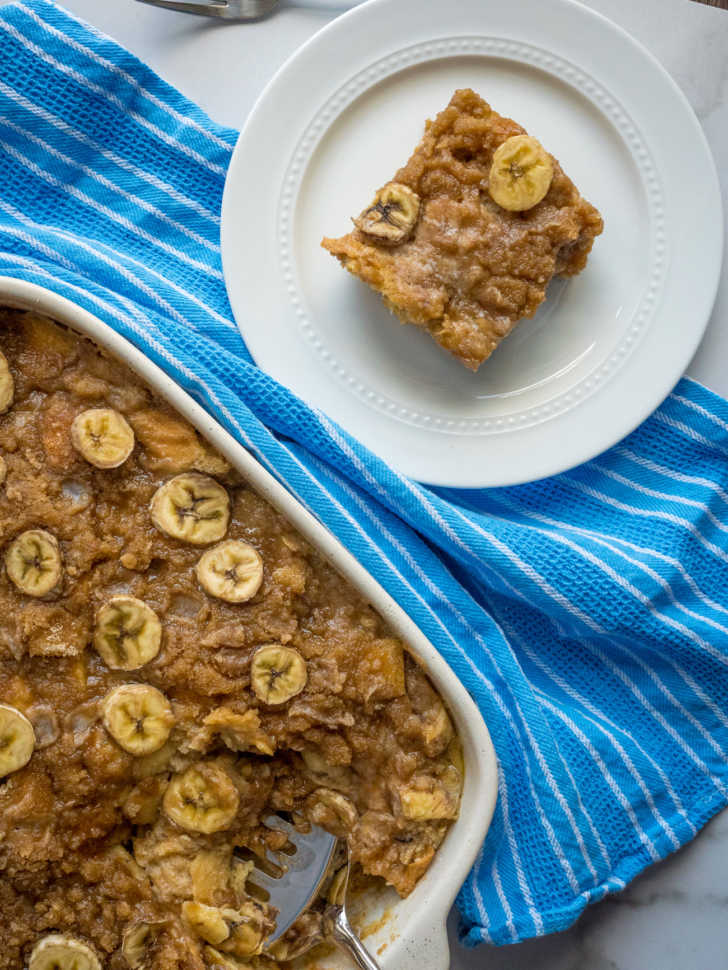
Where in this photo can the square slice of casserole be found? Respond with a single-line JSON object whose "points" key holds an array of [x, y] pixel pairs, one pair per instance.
{"points": [[467, 236]]}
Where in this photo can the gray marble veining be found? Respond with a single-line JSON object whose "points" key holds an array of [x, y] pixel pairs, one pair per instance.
{"points": [[674, 917]]}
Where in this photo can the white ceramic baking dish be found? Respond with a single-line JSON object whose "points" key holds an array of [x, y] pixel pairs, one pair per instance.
{"points": [[407, 934]]}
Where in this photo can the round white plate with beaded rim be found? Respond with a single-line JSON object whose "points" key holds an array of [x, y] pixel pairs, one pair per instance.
{"points": [[605, 348]]}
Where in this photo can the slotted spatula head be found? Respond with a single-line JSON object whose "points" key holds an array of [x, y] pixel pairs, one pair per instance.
{"points": [[303, 872], [298, 880]]}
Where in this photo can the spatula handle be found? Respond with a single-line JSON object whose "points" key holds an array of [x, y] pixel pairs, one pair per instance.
{"points": [[345, 936]]}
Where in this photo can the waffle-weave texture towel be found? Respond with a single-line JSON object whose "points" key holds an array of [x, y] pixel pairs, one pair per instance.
{"points": [[586, 614]]}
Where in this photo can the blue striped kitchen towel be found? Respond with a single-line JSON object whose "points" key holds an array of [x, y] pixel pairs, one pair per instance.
{"points": [[586, 614]]}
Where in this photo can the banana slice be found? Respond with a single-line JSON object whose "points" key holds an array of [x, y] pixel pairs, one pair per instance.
{"points": [[277, 673], [247, 930], [138, 717], [103, 437], [191, 507], [231, 571], [208, 922], [17, 740], [33, 562], [332, 811], [336, 891], [202, 799], [392, 215], [421, 806], [60, 952], [520, 173], [136, 941], [426, 798], [238, 933], [7, 384], [128, 633]]}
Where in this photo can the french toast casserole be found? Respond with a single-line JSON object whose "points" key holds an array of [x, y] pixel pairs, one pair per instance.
{"points": [[465, 239], [177, 664]]}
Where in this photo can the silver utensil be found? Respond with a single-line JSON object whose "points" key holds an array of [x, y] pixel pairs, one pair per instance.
{"points": [[338, 929], [223, 9], [304, 872], [240, 10]]}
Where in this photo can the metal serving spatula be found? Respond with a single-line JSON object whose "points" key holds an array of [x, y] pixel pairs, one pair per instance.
{"points": [[241, 10], [303, 874]]}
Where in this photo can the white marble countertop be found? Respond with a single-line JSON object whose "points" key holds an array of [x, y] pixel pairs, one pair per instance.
{"points": [[676, 916]]}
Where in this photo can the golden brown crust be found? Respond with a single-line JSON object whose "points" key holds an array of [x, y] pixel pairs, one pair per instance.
{"points": [[365, 722], [471, 270]]}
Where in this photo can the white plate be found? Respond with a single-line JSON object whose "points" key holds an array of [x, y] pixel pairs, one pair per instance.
{"points": [[602, 352]]}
